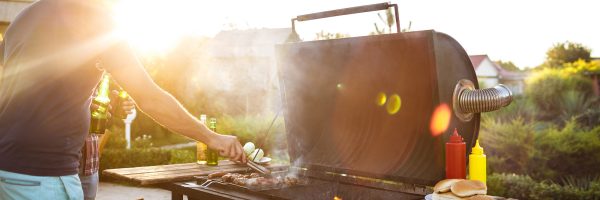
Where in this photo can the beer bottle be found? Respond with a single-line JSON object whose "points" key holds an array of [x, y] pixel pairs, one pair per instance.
{"points": [[212, 156], [100, 115], [119, 112], [201, 147]]}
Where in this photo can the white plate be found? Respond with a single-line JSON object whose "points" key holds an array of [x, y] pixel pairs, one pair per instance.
{"points": [[429, 197], [264, 160]]}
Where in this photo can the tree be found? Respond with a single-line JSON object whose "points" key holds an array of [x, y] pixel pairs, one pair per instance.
{"points": [[508, 65], [389, 21], [566, 52], [327, 36]]}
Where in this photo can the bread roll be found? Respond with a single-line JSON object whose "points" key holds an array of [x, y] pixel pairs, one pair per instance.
{"points": [[480, 197], [444, 185], [466, 188], [444, 196]]}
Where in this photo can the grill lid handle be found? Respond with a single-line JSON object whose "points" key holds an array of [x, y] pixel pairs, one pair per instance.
{"points": [[347, 11]]}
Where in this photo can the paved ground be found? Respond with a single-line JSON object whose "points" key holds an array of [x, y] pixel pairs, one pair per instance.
{"points": [[110, 191]]}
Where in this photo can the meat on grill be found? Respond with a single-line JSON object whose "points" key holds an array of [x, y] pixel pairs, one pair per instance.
{"points": [[255, 180]]}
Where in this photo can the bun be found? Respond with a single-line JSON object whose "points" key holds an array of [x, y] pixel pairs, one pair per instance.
{"points": [[480, 197], [444, 185], [444, 196], [466, 188]]}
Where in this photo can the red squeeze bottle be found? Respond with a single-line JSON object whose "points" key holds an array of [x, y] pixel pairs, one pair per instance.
{"points": [[456, 157]]}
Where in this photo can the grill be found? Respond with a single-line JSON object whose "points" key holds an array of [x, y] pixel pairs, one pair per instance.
{"points": [[367, 117]]}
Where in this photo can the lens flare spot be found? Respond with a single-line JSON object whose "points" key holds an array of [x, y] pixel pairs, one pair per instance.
{"points": [[394, 104], [337, 198], [440, 120], [381, 99], [339, 86]]}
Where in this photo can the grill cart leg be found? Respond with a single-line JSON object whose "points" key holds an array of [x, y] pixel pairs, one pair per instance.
{"points": [[176, 196]]}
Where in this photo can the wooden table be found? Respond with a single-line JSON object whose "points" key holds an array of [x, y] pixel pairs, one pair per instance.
{"points": [[166, 176], [177, 172]]}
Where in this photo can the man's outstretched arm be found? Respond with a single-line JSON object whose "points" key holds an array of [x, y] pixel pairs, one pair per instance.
{"points": [[1, 55], [124, 66]]}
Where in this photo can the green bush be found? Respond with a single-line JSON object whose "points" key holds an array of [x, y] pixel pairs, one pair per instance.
{"points": [[182, 156], [524, 187], [548, 88], [510, 186], [115, 138], [571, 150], [542, 150], [509, 146], [142, 153], [122, 158], [521, 106]]}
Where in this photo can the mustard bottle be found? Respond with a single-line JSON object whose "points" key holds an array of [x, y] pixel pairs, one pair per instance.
{"points": [[477, 164]]}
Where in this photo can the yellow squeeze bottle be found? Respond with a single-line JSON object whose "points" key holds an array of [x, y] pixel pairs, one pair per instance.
{"points": [[477, 164]]}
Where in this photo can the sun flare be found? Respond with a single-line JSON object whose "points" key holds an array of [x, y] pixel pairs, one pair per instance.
{"points": [[157, 25]]}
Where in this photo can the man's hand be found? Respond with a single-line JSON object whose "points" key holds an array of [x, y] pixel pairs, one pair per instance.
{"points": [[95, 106], [228, 146], [127, 105]]}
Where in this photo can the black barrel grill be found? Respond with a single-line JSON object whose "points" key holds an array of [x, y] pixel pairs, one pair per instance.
{"points": [[359, 113]]}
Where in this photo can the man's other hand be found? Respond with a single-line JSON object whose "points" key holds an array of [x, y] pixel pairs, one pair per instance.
{"points": [[127, 105]]}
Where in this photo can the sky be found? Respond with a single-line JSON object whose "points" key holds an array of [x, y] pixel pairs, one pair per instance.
{"points": [[520, 31]]}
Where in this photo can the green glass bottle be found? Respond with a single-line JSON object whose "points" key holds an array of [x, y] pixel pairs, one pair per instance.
{"points": [[100, 115], [201, 147], [119, 112], [212, 156]]}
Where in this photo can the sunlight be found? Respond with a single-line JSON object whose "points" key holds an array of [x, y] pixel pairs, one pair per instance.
{"points": [[440, 120], [156, 26]]}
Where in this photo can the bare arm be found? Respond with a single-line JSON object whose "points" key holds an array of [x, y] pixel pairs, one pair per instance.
{"points": [[124, 66], [1, 57]]}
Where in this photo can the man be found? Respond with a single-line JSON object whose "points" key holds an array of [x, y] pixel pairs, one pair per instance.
{"points": [[45, 94]]}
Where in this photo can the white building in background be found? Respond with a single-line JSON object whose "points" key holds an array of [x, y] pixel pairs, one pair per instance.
{"points": [[489, 74]]}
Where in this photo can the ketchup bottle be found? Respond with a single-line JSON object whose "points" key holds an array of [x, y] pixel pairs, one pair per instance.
{"points": [[456, 157]]}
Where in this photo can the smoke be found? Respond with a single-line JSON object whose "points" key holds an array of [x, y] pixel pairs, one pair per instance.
{"points": [[237, 72], [234, 77]]}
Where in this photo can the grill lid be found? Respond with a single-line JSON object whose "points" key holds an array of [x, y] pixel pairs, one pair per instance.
{"points": [[364, 105]]}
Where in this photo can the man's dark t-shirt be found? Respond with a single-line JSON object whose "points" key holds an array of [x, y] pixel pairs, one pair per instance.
{"points": [[49, 56]]}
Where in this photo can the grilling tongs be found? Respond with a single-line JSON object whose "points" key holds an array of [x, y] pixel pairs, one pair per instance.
{"points": [[259, 168]]}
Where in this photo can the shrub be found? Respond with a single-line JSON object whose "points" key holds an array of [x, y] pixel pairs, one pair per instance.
{"points": [[121, 158], [543, 153], [115, 138], [509, 146], [182, 156], [572, 150], [511, 186], [524, 187], [542, 150], [582, 67], [520, 107], [547, 90]]}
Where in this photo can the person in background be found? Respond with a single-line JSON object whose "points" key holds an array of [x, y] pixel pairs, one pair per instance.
{"points": [[49, 73]]}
